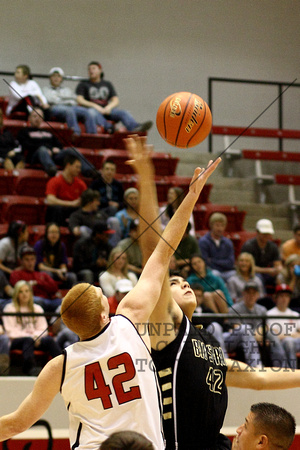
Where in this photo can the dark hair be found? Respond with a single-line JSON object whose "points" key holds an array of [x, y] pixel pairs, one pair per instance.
{"points": [[275, 422], [96, 63], [126, 440], [26, 70], [296, 228], [171, 207], [15, 228], [88, 196], [70, 158], [52, 254], [109, 161]]}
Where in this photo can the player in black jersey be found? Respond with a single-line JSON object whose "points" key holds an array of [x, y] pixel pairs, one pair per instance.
{"points": [[192, 371]]}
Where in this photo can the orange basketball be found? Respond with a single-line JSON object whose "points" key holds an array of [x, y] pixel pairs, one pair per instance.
{"points": [[183, 119]]}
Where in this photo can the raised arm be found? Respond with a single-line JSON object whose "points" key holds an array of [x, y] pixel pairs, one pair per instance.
{"points": [[36, 403], [140, 302]]}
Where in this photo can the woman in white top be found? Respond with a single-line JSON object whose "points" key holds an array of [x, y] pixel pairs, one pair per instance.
{"points": [[28, 333], [24, 92], [117, 269], [245, 272]]}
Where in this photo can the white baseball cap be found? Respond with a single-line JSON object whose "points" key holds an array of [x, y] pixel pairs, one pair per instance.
{"points": [[123, 286], [265, 226], [57, 70]]}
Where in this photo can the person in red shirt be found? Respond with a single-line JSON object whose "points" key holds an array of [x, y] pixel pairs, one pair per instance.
{"points": [[44, 287], [123, 286], [63, 192]]}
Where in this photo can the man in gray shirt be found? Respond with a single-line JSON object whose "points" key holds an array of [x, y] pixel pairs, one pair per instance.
{"points": [[63, 104], [249, 306]]}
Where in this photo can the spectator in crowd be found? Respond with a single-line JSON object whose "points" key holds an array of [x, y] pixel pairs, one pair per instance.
{"points": [[24, 93], [63, 192], [28, 333], [117, 269], [291, 246], [100, 97], [111, 190], [90, 254], [230, 338], [122, 287], [44, 287], [215, 290], [248, 305], [267, 427], [290, 275], [174, 198], [265, 253], [188, 246], [62, 334], [63, 104], [216, 249], [133, 250], [11, 245], [287, 330], [6, 290], [83, 219], [126, 440], [130, 212], [52, 258], [41, 146], [4, 351], [245, 272], [10, 150]]}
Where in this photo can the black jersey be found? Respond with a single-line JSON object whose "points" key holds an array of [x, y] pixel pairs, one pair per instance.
{"points": [[191, 373]]}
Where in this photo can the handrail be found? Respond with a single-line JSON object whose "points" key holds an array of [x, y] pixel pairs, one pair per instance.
{"points": [[280, 85]]}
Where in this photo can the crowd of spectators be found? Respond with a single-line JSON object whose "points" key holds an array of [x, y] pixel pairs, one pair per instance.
{"points": [[102, 219]]}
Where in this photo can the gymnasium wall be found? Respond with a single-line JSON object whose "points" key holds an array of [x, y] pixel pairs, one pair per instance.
{"points": [[150, 49]]}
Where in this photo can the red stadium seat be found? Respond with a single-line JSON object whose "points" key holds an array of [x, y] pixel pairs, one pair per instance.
{"points": [[6, 182], [234, 216], [17, 207], [30, 182]]}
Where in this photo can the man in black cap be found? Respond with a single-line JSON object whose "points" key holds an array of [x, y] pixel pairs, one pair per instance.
{"points": [[100, 97], [90, 254], [249, 306], [287, 330]]}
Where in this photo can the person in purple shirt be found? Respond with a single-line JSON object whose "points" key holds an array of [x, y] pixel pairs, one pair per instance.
{"points": [[52, 257]]}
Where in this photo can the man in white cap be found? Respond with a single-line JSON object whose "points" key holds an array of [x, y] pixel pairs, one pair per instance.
{"points": [[63, 104], [266, 254], [123, 286]]}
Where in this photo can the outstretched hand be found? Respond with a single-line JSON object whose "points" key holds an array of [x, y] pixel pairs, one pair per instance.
{"points": [[140, 153], [201, 176]]}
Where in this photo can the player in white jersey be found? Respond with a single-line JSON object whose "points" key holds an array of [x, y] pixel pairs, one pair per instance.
{"points": [[103, 384]]}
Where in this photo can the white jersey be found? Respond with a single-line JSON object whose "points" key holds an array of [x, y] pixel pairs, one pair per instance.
{"points": [[109, 385]]}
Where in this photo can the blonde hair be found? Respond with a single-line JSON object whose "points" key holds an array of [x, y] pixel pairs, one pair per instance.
{"points": [[16, 302], [252, 263], [217, 217], [81, 309], [113, 257]]}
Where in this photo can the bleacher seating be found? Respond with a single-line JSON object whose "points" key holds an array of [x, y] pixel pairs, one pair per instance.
{"points": [[234, 216], [20, 207], [6, 182], [165, 163], [291, 181], [30, 182]]}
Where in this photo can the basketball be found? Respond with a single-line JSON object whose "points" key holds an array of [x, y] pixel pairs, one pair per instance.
{"points": [[183, 119]]}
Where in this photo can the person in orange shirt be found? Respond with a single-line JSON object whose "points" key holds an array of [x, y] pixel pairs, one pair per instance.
{"points": [[291, 246]]}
